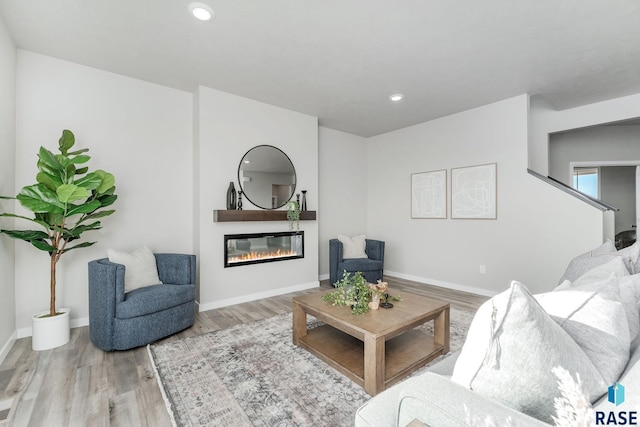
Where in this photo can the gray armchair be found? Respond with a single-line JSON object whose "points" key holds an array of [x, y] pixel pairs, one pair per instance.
{"points": [[120, 321], [371, 267]]}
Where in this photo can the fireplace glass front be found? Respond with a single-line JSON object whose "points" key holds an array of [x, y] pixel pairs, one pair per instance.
{"points": [[244, 249]]}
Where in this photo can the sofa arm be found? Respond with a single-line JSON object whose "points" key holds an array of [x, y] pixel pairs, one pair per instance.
{"points": [[437, 401], [335, 256], [176, 269], [375, 249]]}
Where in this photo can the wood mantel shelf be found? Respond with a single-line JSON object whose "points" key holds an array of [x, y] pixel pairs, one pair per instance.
{"points": [[258, 215]]}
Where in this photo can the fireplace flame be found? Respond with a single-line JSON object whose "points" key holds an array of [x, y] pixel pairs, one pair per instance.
{"points": [[254, 256]]}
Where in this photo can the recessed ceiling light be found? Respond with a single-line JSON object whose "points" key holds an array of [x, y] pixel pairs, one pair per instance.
{"points": [[396, 97], [201, 11]]}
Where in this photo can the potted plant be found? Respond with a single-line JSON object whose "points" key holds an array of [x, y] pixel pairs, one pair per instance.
{"points": [[293, 214], [66, 201]]}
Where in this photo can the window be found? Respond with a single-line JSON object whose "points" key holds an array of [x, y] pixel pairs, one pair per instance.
{"points": [[585, 180]]}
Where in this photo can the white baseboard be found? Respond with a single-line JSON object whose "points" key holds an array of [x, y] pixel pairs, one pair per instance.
{"points": [[7, 346], [324, 277], [252, 297], [73, 323], [442, 284]]}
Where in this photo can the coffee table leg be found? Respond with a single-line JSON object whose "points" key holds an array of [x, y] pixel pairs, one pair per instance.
{"points": [[299, 323], [441, 330], [374, 368]]}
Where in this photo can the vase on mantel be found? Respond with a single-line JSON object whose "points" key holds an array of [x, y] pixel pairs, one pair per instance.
{"points": [[231, 197]]}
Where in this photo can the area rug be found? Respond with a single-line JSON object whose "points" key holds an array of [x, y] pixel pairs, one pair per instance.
{"points": [[253, 375]]}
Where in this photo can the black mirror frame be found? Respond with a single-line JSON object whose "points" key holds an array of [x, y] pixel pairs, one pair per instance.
{"points": [[295, 176]]}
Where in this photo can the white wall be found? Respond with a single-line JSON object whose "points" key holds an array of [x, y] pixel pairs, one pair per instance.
{"points": [[598, 143], [538, 229], [229, 126], [7, 171], [140, 132], [545, 120], [343, 189]]}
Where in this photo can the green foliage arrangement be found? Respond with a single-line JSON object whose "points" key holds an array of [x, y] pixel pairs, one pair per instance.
{"points": [[293, 214], [66, 201], [353, 291]]}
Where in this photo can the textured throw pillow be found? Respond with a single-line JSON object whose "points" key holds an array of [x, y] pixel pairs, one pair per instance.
{"points": [[140, 267], [594, 258], [594, 316], [633, 254], [353, 247], [628, 291], [512, 346]]}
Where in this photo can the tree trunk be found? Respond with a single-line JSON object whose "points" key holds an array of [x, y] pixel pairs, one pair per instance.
{"points": [[52, 286]]}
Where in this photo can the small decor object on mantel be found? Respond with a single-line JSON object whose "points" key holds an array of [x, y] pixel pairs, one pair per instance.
{"points": [[304, 200], [231, 197], [240, 200]]}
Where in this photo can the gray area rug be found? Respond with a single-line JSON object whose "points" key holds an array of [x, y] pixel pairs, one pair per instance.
{"points": [[253, 375]]}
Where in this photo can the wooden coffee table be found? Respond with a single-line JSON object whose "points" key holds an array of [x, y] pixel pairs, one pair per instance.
{"points": [[376, 349]]}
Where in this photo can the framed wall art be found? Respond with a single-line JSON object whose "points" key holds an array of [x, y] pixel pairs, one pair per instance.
{"points": [[474, 191], [429, 194]]}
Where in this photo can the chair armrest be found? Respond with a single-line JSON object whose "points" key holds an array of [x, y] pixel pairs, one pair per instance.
{"points": [[375, 249], [436, 400], [176, 269], [106, 290]]}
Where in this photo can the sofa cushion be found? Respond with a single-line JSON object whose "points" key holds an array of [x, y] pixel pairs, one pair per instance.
{"points": [[594, 316], [353, 247], [512, 346], [633, 254], [360, 265], [594, 258], [151, 299], [629, 289], [140, 267], [629, 378]]}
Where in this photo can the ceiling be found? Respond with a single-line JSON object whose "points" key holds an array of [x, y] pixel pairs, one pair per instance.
{"points": [[340, 60]]}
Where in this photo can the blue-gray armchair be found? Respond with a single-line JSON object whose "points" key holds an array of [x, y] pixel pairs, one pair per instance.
{"points": [[120, 321], [371, 267]]}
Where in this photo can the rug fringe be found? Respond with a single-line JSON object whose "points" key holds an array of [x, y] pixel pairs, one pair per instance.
{"points": [[167, 403]]}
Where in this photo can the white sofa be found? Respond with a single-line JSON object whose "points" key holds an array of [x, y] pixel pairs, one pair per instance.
{"points": [[506, 373]]}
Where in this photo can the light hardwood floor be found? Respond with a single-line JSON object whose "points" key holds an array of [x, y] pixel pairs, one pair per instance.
{"points": [[80, 385]]}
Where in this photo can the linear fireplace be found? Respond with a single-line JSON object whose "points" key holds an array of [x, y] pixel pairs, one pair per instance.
{"points": [[244, 249]]}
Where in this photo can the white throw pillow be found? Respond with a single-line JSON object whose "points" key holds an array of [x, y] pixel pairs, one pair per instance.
{"points": [[512, 346], [140, 267], [353, 247], [633, 254], [628, 289], [594, 258], [594, 316]]}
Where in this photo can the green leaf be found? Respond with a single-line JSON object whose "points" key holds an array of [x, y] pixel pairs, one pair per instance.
{"points": [[68, 193], [75, 232], [81, 245], [38, 198], [7, 198], [83, 208], [108, 181], [77, 160], [43, 246], [107, 200], [27, 235], [66, 141], [82, 171], [100, 214], [36, 220], [50, 160], [90, 181], [70, 172], [75, 153], [52, 182]]}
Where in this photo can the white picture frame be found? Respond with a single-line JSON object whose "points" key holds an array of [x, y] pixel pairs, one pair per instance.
{"points": [[429, 194], [474, 192]]}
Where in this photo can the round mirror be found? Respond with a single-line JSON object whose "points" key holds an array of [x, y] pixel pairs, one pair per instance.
{"points": [[267, 177]]}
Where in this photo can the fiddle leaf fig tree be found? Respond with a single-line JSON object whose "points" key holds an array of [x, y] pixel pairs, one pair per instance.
{"points": [[66, 201]]}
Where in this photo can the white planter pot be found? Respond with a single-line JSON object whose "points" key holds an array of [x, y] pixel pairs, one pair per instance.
{"points": [[50, 332]]}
